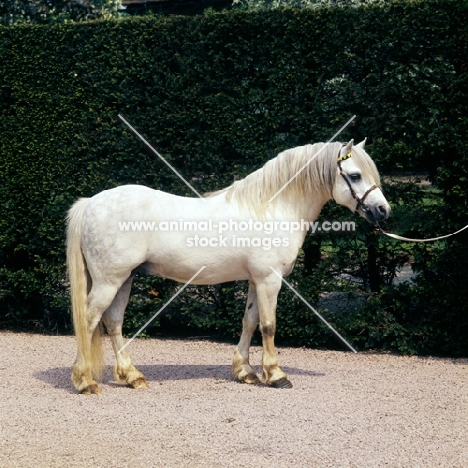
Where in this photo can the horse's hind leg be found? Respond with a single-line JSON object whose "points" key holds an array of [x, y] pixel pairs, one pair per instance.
{"points": [[88, 364], [242, 371], [125, 372]]}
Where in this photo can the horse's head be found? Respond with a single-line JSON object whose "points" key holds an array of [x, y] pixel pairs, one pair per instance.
{"points": [[357, 184]]}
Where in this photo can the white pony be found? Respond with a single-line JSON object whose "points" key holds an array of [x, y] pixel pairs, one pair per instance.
{"points": [[256, 243]]}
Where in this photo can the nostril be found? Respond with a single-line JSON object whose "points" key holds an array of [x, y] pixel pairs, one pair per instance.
{"points": [[383, 211]]}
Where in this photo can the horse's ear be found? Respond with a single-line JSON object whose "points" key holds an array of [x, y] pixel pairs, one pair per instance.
{"points": [[362, 144], [346, 149]]}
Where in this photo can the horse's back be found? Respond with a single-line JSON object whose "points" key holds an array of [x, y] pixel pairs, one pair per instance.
{"points": [[133, 226]]}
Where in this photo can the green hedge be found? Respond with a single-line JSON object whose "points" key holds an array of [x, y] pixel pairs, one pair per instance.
{"points": [[217, 95]]}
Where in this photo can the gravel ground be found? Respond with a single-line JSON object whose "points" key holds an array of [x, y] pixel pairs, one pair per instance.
{"points": [[345, 410]]}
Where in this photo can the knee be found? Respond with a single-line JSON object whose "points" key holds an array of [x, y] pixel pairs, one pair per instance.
{"points": [[268, 328], [249, 322]]}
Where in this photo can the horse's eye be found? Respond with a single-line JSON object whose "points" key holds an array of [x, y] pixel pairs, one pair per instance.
{"points": [[355, 177]]}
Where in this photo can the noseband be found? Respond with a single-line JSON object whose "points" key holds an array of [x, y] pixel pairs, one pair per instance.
{"points": [[359, 200]]}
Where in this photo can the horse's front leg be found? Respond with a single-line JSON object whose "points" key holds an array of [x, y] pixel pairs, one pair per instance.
{"points": [[125, 372], [242, 371], [267, 296]]}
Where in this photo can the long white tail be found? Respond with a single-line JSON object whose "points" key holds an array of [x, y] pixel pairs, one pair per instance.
{"points": [[89, 350]]}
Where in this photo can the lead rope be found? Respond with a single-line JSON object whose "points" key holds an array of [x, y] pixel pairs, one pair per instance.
{"points": [[407, 239]]}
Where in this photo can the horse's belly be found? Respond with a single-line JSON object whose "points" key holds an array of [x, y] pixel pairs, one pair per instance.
{"points": [[207, 268]]}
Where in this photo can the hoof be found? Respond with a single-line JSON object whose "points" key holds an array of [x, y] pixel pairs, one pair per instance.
{"points": [[281, 383], [250, 379], [92, 389], [139, 383]]}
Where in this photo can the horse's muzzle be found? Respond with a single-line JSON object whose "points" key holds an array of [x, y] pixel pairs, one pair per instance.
{"points": [[374, 214]]}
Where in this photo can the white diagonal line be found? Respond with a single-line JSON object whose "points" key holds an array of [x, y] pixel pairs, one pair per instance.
{"points": [[313, 310], [162, 159], [161, 309], [311, 159]]}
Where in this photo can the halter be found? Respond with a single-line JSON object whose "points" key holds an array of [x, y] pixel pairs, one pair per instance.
{"points": [[359, 201]]}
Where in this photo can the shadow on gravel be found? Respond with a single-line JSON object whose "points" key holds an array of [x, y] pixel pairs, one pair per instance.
{"points": [[59, 377]]}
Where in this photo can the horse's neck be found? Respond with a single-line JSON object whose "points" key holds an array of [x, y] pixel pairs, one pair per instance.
{"points": [[308, 210]]}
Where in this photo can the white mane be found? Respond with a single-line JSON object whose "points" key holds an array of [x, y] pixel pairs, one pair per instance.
{"points": [[316, 179]]}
